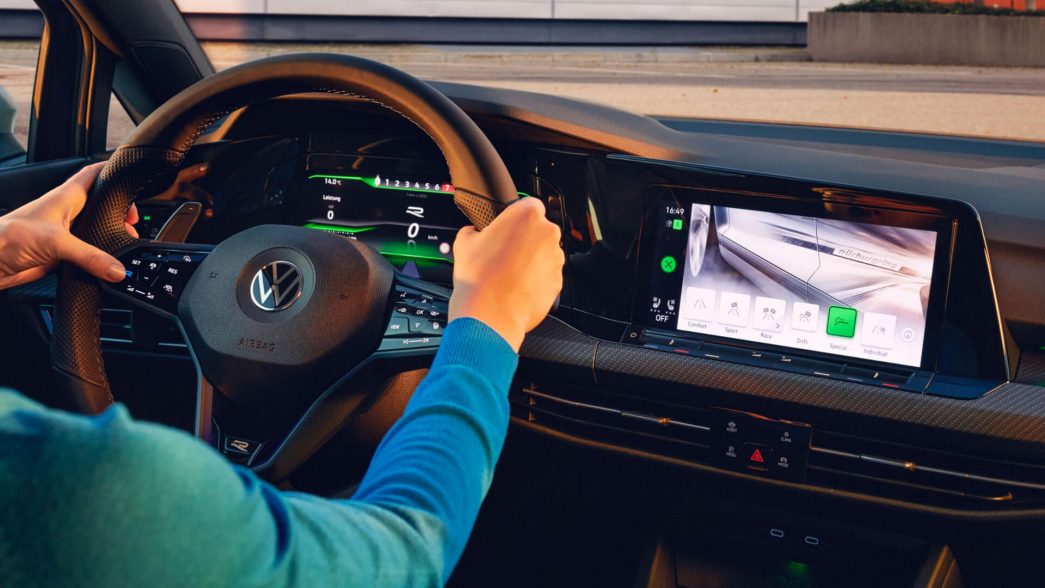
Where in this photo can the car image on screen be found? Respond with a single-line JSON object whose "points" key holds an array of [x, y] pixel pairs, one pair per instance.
{"points": [[795, 281]]}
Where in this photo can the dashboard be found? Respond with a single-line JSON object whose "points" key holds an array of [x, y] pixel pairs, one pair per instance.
{"points": [[825, 333], [826, 281], [816, 318], [846, 284]]}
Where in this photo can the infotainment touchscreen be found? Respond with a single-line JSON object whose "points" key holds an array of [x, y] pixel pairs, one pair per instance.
{"points": [[823, 285]]}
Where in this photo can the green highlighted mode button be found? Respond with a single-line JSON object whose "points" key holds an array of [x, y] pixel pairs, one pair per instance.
{"points": [[841, 321]]}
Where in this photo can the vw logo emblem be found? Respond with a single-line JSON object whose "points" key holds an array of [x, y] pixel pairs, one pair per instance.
{"points": [[276, 286]]}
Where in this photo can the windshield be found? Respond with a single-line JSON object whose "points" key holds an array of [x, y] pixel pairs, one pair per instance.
{"points": [[703, 59], [952, 67], [765, 84]]}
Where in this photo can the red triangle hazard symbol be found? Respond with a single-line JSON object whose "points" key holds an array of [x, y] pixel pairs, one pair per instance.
{"points": [[757, 456]]}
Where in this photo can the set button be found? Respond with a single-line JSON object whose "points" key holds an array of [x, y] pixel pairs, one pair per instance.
{"points": [[157, 276]]}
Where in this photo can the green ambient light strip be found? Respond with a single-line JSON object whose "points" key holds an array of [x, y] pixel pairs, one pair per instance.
{"points": [[415, 256], [357, 230], [339, 229], [410, 252]]}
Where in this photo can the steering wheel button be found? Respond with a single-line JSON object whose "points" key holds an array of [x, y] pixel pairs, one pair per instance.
{"points": [[167, 288], [418, 325], [397, 326]]}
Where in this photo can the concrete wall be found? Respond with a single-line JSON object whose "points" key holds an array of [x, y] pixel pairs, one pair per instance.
{"points": [[930, 39], [606, 22], [646, 10]]}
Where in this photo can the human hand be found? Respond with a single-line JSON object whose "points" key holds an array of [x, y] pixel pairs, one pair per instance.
{"points": [[35, 237], [508, 275]]}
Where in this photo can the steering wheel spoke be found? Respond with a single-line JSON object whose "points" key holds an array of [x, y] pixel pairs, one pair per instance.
{"points": [[418, 318], [157, 274], [412, 335]]}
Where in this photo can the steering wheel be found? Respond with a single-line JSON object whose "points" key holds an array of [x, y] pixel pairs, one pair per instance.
{"points": [[278, 319]]}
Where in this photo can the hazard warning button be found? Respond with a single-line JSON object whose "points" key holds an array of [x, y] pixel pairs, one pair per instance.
{"points": [[758, 457]]}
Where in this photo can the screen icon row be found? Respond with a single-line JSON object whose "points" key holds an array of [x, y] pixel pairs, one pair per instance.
{"points": [[770, 314]]}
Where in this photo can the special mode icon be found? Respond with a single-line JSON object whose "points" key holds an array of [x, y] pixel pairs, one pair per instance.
{"points": [[841, 322]]}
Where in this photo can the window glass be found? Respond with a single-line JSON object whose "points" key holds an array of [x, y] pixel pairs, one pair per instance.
{"points": [[120, 125], [17, 74]]}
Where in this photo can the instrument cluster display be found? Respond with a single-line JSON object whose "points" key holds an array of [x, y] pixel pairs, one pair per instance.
{"points": [[410, 221]]}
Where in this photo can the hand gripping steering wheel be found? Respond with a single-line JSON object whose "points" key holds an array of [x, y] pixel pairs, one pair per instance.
{"points": [[270, 374]]}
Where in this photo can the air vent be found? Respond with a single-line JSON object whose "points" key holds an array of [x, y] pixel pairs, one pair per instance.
{"points": [[117, 326], [651, 426], [121, 328], [921, 475]]}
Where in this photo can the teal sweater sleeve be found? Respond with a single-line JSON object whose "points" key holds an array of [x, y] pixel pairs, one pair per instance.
{"points": [[108, 501]]}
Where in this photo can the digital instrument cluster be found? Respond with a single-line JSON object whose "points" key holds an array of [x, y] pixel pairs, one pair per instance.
{"points": [[410, 221]]}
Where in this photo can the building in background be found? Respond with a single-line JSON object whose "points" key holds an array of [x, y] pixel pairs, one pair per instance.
{"points": [[745, 22], [1013, 4], [650, 22]]}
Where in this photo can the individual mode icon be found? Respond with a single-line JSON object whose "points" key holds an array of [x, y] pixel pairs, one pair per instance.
{"points": [[878, 330]]}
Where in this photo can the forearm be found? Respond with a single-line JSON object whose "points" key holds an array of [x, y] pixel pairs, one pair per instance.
{"points": [[160, 508], [440, 457]]}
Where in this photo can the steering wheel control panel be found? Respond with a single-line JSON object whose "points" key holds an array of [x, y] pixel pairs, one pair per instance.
{"points": [[157, 276], [756, 444], [419, 316]]}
